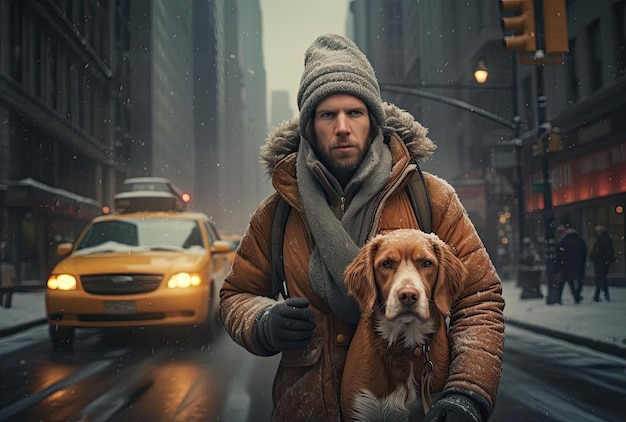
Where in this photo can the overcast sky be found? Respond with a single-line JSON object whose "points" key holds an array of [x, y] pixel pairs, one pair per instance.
{"points": [[289, 27]]}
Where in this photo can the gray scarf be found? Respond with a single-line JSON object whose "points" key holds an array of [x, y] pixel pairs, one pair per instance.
{"points": [[337, 242]]}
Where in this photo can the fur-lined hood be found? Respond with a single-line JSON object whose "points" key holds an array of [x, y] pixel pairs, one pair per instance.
{"points": [[285, 138]]}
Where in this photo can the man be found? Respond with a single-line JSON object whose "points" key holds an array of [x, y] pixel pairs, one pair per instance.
{"points": [[602, 255], [571, 258], [343, 166]]}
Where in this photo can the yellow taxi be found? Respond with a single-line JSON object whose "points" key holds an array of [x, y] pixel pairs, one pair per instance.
{"points": [[137, 269]]}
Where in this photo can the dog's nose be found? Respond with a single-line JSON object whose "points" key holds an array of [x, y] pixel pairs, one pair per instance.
{"points": [[408, 295]]}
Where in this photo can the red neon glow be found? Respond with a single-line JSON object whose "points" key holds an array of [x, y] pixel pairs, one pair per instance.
{"points": [[581, 179], [186, 198]]}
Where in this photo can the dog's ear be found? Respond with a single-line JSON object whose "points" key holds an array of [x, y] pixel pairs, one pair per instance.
{"points": [[359, 277], [450, 275]]}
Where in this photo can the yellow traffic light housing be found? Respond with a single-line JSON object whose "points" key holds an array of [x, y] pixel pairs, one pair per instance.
{"points": [[555, 26], [522, 24], [554, 141]]}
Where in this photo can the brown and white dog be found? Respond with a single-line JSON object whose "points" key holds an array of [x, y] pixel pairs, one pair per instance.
{"points": [[405, 282]]}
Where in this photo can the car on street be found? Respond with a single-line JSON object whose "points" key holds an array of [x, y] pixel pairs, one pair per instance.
{"points": [[150, 193], [138, 269]]}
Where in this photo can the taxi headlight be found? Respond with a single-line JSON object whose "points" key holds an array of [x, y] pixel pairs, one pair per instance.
{"points": [[183, 280], [62, 282]]}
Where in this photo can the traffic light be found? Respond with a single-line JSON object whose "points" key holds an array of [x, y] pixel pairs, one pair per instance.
{"points": [[554, 144], [554, 141], [555, 26], [522, 24]]}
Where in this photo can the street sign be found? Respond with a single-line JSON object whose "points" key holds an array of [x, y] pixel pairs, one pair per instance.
{"points": [[537, 185]]}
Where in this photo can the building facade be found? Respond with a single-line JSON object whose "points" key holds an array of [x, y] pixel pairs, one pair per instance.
{"points": [[586, 98], [58, 138]]}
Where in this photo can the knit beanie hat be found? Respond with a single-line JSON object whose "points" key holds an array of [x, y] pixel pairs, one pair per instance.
{"points": [[334, 65]]}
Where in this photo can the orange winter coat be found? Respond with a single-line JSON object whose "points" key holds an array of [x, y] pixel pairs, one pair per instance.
{"points": [[307, 384]]}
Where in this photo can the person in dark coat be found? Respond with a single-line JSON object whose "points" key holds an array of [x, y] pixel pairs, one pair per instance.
{"points": [[7, 283], [571, 259], [602, 255]]}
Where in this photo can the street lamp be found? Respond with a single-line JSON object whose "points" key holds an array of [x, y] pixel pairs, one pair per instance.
{"points": [[481, 72]]}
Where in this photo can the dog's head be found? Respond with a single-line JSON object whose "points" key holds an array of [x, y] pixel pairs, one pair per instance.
{"points": [[404, 271]]}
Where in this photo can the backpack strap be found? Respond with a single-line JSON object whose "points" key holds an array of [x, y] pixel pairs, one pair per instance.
{"points": [[420, 200], [279, 222]]}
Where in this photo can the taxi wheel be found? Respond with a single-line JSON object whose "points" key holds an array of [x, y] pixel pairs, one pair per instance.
{"points": [[207, 330], [62, 338]]}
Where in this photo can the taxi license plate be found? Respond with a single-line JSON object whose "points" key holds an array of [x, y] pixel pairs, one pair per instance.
{"points": [[119, 307]]}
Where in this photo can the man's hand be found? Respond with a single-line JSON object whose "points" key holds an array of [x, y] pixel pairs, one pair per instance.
{"points": [[288, 325], [454, 408]]}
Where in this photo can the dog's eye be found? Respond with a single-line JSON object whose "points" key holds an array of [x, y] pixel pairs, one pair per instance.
{"points": [[386, 264], [428, 264]]}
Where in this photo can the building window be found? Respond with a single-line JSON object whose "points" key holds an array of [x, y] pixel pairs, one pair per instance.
{"points": [[573, 83], [482, 9], [595, 54], [619, 12], [70, 74], [37, 65], [393, 31], [16, 41]]}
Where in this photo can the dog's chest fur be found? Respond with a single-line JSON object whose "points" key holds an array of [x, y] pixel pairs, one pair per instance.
{"points": [[400, 356]]}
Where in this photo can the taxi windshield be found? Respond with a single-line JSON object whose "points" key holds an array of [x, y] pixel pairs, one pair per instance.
{"points": [[142, 233]]}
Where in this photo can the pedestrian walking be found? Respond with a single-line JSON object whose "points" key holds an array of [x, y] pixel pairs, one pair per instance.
{"points": [[7, 284], [602, 255], [571, 261], [343, 167]]}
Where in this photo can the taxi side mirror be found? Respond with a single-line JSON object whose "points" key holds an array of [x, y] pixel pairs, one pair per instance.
{"points": [[221, 246], [64, 248]]}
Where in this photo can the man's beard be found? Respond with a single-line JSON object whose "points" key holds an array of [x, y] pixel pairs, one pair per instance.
{"points": [[343, 171]]}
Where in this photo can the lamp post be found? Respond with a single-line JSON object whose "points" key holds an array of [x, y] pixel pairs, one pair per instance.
{"points": [[481, 73], [527, 274]]}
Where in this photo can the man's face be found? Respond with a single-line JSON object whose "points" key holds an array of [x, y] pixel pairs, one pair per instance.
{"points": [[342, 125]]}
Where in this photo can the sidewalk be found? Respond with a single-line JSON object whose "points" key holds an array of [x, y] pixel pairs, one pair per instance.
{"points": [[600, 326], [27, 310]]}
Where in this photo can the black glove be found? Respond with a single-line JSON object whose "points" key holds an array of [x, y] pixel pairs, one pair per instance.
{"points": [[454, 408], [287, 325]]}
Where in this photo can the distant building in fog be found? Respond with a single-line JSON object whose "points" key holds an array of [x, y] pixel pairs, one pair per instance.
{"points": [[240, 175], [281, 108], [256, 186], [161, 55]]}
